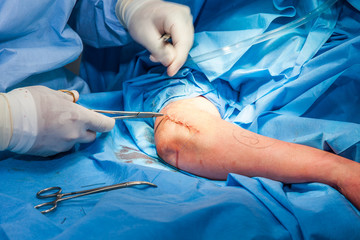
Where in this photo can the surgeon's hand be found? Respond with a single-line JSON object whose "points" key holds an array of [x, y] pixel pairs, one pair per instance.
{"points": [[46, 122], [148, 20]]}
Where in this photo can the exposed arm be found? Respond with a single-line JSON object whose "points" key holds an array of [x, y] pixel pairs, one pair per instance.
{"points": [[193, 137]]}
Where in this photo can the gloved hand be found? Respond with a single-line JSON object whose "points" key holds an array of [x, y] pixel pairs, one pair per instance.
{"points": [[148, 20], [46, 122]]}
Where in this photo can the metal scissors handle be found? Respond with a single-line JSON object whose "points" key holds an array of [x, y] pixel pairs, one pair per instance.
{"points": [[48, 193], [128, 115]]}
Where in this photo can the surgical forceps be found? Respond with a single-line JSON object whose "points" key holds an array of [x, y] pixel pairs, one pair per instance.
{"points": [[60, 196], [129, 115]]}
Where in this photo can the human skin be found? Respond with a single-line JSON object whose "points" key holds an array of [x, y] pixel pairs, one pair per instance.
{"points": [[192, 136]]}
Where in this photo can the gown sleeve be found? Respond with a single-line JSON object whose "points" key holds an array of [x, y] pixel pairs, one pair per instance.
{"points": [[96, 23]]}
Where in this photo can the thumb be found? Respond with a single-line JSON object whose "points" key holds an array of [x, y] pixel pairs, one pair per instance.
{"points": [[99, 123]]}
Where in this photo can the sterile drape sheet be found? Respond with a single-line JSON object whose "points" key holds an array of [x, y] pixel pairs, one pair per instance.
{"points": [[303, 87]]}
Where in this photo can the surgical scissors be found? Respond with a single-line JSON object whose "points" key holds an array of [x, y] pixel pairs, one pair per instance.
{"points": [[129, 115], [60, 196]]}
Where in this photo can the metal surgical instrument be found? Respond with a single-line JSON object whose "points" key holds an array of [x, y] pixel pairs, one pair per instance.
{"points": [[49, 193], [129, 115]]}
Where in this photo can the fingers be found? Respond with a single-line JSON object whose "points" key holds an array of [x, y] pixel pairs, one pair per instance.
{"points": [[76, 95], [182, 40], [180, 27], [72, 95], [160, 50], [174, 55], [97, 122], [91, 123], [173, 19]]}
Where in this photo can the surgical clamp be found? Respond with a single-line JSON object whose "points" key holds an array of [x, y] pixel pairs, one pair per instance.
{"points": [[59, 196]]}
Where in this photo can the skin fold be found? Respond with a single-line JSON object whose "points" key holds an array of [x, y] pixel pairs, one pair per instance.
{"points": [[193, 137]]}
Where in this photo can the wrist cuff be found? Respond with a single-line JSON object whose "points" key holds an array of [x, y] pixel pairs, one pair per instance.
{"points": [[5, 122], [24, 116]]}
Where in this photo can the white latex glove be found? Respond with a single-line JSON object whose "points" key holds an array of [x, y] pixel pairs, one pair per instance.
{"points": [[148, 20], [46, 122]]}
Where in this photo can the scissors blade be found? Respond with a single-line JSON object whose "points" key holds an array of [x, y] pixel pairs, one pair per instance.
{"points": [[129, 114], [140, 115]]}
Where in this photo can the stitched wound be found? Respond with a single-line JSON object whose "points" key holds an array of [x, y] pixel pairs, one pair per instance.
{"points": [[191, 130], [181, 123]]}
